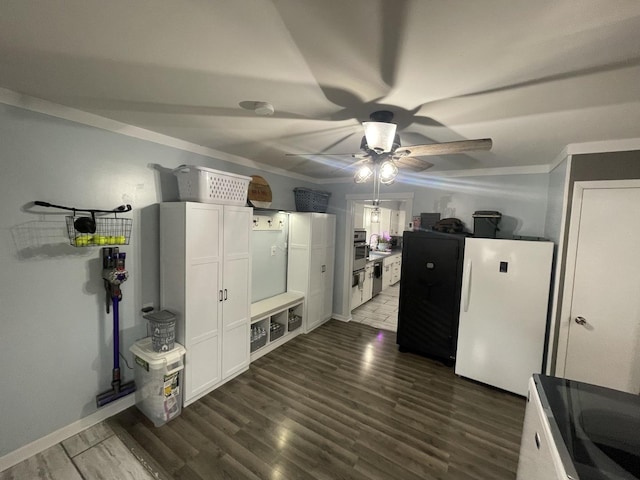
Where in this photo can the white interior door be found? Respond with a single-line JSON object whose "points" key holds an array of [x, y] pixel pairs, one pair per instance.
{"points": [[602, 318]]}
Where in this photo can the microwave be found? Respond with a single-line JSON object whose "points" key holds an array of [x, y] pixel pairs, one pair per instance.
{"points": [[360, 249]]}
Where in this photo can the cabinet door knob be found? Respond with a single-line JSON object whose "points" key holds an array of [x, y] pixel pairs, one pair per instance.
{"points": [[324, 268], [581, 320], [537, 439], [225, 293], [220, 295]]}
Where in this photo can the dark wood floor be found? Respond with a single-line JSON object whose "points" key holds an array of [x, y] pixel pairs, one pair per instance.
{"points": [[338, 403]]}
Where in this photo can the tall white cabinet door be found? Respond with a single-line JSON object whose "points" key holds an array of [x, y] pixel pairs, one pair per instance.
{"points": [[191, 263], [237, 289], [311, 264], [327, 303], [317, 286], [205, 278], [329, 262]]}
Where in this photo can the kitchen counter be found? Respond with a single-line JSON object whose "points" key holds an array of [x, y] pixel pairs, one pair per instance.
{"points": [[377, 255]]}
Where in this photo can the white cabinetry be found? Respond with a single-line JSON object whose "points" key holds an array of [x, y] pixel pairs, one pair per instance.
{"points": [[539, 458], [363, 291], [397, 222], [310, 267], [397, 267], [385, 221], [284, 312], [356, 296], [205, 278], [391, 267], [387, 272], [367, 287]]}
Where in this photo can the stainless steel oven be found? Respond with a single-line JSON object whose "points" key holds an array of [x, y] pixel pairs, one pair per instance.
{"points": [[360, 249]]}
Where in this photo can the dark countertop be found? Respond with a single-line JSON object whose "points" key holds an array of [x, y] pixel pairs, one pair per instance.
{"points": [[600, 427]]}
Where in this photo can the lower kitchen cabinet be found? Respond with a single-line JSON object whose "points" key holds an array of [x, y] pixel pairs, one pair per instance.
{"points": [[539, 457], [391, 267], [363, 290], [397, 267], [275, 321]]}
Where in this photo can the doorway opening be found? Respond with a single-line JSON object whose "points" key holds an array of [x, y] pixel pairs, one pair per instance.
{"points": [[395, 216]]}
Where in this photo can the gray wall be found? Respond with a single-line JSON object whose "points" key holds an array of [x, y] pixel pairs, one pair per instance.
{"points": [[55, 340], [522, 199], [590, 167], [553, 219]]}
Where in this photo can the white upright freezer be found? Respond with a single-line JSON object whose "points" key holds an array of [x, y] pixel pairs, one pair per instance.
{"points": [[503, 311]]}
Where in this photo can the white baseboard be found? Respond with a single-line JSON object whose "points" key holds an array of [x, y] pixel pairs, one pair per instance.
{"points": [[37, 446], [342, 318]]}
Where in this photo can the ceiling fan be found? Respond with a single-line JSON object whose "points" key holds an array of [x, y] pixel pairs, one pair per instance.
{"points": [[380, 145]]}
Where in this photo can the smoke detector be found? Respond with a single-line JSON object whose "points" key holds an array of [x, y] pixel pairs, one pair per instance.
{"points": [[263, 109]]}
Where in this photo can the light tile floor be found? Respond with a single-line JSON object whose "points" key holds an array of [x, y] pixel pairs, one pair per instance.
{"points": [[381, 311], [94, 454]]}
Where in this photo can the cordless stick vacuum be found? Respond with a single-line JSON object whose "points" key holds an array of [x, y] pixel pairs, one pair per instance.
{"points": [[114, 274]]}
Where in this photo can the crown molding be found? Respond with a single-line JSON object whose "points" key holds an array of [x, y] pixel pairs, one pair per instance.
{"points": [[38, 105], [621, 145], [16, 99]]}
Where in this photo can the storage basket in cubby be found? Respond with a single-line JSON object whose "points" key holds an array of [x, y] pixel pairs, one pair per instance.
{"points": [[294, 322], [206, 185], [258, 343], [308, 200], [275, 331]]}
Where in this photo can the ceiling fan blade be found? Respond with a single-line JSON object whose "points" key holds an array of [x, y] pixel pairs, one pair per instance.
{"points": [[353, 155], [412, 163], [446, 148]]}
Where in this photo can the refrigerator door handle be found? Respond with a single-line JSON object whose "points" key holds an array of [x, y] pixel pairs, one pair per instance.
{"points": [[466, 286]]}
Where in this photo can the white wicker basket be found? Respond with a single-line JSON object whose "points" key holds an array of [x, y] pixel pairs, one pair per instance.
{"points": [[206, 185]]}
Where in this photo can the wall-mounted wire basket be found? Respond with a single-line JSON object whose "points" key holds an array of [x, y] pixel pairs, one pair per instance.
{"points": [[109, 231], [89, 230]]}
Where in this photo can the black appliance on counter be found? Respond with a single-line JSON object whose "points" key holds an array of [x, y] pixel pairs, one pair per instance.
{"points": [[430, 286], [396, 242], [485, 223]]}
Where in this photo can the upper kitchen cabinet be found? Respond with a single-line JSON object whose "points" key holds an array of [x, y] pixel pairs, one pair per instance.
{"points": [[310, 268], [205, 278], [386, 220], [397, 222]]}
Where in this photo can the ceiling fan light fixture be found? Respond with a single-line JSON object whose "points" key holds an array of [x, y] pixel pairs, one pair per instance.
{"points": [[363, 174], [388, 172], [380, 135], [375, 215]]}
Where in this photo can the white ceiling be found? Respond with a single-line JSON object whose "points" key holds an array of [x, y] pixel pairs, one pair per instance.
{"points": [[534, 76]]}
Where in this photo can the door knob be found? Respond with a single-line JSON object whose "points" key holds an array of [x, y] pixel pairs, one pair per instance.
{"points": [[581, 320]]}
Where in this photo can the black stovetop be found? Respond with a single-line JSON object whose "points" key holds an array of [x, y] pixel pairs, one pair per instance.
{"points": [[600, 427]]}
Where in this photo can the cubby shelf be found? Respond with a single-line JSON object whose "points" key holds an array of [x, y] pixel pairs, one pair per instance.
{"points": [[275, 310]]}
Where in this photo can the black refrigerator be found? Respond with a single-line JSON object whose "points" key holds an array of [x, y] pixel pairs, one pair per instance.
{"points": [[430, 285]]}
